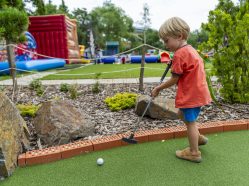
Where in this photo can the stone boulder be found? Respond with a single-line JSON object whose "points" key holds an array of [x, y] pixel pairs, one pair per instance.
{"points": [[14, 136], [160, 107], [59, 122]]}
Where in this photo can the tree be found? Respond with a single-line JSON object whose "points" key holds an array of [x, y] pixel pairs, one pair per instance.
{"points": [[146, 19], [63, 8], [13, 3], [41, 10], [83, 23], [152, 38], [1, 32], [39, 5], [228, 27], [13, 23], [50, 8], [197, 37], [145, 23], [110, 23]]}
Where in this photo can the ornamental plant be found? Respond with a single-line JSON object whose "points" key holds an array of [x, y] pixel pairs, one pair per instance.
{"points": [[28, 110], [121, 101], [228, 27]]}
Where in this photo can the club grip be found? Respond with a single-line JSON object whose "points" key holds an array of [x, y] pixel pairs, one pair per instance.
{"points": [[166, 71]]}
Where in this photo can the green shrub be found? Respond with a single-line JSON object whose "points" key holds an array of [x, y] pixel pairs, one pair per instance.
{"points": [[121, 101], [2, 88], [95, 88], [64, 87], [228, 28], [28, 110], [73, 90], [36, 85]]}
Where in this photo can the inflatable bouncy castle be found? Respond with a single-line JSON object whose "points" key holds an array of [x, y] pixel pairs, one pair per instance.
{"points": [[26, 51], [56, 36], [26, 58]]}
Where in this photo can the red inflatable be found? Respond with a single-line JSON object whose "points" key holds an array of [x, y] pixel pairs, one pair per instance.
{"points": [[165, 57], [56, 36]]}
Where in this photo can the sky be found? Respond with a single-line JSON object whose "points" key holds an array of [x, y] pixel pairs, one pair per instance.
{"points": [[194, 12]]}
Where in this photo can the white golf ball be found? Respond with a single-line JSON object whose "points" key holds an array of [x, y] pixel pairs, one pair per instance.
{"points": [[100, 161]]}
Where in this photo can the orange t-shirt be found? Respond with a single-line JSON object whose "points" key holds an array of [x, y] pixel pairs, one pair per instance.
{"points": [[192, 86]]}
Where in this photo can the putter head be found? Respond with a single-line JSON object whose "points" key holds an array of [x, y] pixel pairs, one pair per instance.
{"points": [[129, 140]]}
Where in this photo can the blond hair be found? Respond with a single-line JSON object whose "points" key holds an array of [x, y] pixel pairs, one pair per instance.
{"points": [[174, 27]]}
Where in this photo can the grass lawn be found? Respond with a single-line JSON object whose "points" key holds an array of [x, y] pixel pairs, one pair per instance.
{"points": [[89, 72], [109, 71], [5, 77], [225, 162], [66, 67]]}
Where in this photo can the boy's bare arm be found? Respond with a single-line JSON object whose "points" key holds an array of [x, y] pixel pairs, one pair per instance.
{"points": [[172, 81]]}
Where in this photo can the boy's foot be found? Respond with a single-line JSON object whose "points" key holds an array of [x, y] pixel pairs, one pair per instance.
{"points": [[202, 140], [186, 154]]}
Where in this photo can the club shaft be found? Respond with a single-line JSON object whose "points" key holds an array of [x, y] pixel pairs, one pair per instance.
{"points": [[151, 99]]}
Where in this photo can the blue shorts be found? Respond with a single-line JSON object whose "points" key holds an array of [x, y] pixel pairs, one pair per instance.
{"points": [[190, 114]]}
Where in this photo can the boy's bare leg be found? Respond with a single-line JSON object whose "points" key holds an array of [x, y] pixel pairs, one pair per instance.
{"points": [[193, 136], [180, 114]]}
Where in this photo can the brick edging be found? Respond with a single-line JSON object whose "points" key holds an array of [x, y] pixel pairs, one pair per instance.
{"points": [[107, 142]]}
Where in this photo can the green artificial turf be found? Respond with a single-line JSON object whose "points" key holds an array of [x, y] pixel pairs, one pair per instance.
{"points": [[225, 162]]}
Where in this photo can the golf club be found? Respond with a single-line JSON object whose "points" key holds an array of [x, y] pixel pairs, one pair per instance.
{"points": [[131, 138]]}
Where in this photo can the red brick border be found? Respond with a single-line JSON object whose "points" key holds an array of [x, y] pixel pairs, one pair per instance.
{"points": [[211, 127], [106, 142], [161, 134], [80, 147], [74, 149], [235, 125], [180, 131], [43, 156]]}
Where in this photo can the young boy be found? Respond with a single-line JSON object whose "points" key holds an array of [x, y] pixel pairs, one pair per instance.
{"points": [[189, 75]]}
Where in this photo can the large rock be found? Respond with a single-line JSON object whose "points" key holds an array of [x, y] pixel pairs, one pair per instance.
{"points": [[14, 136], [58, 122], [160, 107]]}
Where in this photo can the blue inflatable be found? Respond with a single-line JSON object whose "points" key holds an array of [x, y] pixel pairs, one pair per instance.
{"points": [[151, 59], [31, 40], [108, 60], [29, 46], [136, 59], [33, 65], [148, 59]]}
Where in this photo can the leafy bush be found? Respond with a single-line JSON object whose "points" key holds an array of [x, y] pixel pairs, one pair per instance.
{"points": [[28, 110], [95, 88], [228, 29], [2, 88], [73, 89], [36, 85], [64, 87], [121, 101]]}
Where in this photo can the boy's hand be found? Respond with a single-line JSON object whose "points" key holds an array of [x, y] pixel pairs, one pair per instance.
{"points": [[155, 92]]}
